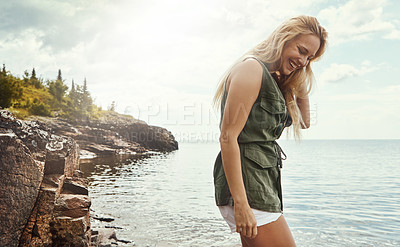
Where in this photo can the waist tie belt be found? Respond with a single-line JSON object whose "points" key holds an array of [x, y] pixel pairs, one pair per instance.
{"points": [[279, 152]]}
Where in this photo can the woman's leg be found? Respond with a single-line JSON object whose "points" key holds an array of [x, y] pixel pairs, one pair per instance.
{"points": [[275, 234]]}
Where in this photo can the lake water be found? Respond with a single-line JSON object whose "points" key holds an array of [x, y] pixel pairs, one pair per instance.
{"points": [[336, 193]]}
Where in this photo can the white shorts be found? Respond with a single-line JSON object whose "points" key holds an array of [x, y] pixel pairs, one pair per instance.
{"points": [[262, 217]]}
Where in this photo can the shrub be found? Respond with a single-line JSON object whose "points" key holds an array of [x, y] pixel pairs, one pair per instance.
{"points": [[40, 109]]}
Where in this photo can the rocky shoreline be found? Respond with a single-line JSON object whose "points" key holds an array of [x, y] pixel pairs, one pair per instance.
{"points": [[44, 197], [113, 133]]}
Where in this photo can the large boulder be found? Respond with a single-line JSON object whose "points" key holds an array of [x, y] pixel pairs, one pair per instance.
{"points": [[43, 197], [21, 177]]}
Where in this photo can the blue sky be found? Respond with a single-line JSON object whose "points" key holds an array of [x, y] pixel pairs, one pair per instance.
{"points": [[161, 60]]}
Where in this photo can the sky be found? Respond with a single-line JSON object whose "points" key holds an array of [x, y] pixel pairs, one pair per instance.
{"points": [[161, 61]]}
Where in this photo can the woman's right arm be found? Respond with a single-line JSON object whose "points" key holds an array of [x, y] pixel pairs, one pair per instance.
{"points": [[243, 87], [303, 102]]}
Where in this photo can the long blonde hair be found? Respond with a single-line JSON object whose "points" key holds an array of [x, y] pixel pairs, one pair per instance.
{"points": [[270, 52]]}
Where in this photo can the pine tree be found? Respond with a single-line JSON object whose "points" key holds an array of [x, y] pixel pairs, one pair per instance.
{"points": [[3, 71], [85, 87], [57, 88], [72, 91], [59, 77], [86, 99], [72, 94], [33, 76], [34, 80]]}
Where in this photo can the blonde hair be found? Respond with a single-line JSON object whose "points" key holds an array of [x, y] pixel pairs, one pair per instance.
{"points": [[270, 52]]}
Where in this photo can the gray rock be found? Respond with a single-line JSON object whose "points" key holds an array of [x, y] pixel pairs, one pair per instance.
{"points": [[20, 180]]}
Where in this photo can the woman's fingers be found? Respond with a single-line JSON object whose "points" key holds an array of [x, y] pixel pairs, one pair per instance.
{"points": [[244, 231], [249, 231], [255, 231]]}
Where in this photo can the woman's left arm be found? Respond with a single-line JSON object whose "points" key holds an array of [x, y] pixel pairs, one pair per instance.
{"points": [[304, 106]]}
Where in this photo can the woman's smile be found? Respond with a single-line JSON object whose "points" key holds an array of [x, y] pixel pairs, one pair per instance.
{"points": [[293, 64]]}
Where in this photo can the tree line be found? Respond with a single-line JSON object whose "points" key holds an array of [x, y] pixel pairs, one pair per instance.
{"points": [[31, 95]]}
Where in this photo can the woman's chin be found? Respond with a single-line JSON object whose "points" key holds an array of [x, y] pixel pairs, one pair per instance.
{"points": [[287, 72]]}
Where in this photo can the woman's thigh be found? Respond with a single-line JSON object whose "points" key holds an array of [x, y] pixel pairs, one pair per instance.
{"points": [[273, 234]]}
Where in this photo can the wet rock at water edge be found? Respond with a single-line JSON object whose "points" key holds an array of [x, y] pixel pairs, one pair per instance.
{"points": [[102, 237]]}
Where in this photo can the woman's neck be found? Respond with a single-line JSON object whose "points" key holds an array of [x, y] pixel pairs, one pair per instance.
{"points": [[279, 78], [274, 70]]}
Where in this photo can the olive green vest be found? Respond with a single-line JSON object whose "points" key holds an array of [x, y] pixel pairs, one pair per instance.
{"points": [[260, 155]]}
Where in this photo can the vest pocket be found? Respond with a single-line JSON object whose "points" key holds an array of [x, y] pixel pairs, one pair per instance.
{"points": [[273, 106], [261, 173], [265, 158], [273, 112]]}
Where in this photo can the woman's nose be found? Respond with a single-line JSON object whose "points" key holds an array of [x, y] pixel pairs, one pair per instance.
{"points": [[303, 61]]}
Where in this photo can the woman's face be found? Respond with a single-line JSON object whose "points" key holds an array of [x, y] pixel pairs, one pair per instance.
{"points": [[298, 52]]}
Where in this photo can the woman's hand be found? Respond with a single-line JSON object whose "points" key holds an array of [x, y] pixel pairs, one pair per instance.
{"points": [[246, 223]]}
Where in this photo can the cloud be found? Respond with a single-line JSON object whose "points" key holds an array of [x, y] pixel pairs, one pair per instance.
{"points": [[156, 53], [358, 20], [394, 34], [60, 25], [340, 72]]}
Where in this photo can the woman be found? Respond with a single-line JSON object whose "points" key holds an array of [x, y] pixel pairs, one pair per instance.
{"points": [[266, 91]]}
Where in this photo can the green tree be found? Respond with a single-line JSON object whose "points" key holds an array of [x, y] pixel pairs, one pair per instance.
{"points": [[86, 99], [33, 75], [3, 70], [72, 93], [57, 89], [37, 83], [59, 77], [26, 78], [10, 89]]}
